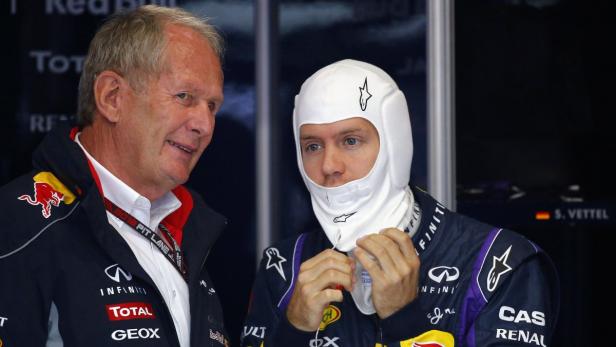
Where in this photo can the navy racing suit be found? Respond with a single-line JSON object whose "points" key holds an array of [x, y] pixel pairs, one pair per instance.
{"points": [[478, 286]]}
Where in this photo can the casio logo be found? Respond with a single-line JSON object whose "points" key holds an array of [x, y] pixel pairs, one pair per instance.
{"points": [[509, 314], [132, 334]]}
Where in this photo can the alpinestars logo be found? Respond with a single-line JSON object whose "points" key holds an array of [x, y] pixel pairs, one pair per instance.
{"points": [[364, 95], [499, 268], [343, 218], [275, 260], [114, 271]]}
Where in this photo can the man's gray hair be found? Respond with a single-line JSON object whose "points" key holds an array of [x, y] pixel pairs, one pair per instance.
{"points": [[132, 44]]}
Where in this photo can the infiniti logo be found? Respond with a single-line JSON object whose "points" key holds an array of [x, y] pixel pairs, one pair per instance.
{"points": [[114, 271], [450, 274]]}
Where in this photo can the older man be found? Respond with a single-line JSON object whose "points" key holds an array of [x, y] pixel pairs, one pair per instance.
{"points": [[392, 266], [101, 244]]}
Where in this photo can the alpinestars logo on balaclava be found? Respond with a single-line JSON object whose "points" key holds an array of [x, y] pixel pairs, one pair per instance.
{"points": [[364, 95]]}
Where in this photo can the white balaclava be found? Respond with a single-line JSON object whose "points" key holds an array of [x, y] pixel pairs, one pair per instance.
{"points": [[381, 199]]}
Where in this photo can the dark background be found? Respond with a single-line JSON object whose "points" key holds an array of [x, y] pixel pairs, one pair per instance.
{"points": [[534, 127]]}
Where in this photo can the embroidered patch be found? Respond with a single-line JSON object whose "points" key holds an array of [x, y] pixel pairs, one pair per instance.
{"points": [[48, 192]]}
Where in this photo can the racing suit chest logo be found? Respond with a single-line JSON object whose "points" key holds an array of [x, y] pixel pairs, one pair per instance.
{"points": [[117, 274], [446, 273], [129, 311], [443, 280]]}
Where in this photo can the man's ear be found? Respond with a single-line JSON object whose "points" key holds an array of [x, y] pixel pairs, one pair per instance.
{"points": [[109, 90]]}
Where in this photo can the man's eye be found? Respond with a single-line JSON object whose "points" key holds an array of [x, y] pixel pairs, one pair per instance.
{"points": [[351, 141], [184, 96], [312, 147]]}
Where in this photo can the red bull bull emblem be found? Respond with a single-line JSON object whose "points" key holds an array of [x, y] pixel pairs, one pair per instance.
{"points": [[48, 192]]}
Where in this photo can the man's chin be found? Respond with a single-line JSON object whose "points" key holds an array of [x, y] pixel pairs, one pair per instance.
{"points": [[178, 177]]}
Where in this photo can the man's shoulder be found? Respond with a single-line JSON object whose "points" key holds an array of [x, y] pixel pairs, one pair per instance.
{"points": [[30, 204], [280, 266], [297, 247], [281, 255], [502, 252]]}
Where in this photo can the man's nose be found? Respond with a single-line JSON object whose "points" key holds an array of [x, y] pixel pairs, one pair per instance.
{"points": [[333, 163], [202, 120]]}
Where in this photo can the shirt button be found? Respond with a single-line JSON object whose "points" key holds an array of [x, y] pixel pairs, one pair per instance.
{"points": [[174, 293]]}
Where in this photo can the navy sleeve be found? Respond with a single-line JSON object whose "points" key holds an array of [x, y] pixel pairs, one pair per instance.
{"points": [[524, 309], [24, 303]]}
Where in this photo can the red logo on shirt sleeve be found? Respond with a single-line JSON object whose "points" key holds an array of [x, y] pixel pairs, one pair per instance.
{"points": [[130, 310]]}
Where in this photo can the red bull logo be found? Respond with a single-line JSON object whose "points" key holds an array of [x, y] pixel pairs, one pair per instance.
{"points": [[48, 192]]}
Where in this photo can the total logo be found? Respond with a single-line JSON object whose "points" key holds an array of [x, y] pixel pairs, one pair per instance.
{"points": [[48, 61], [442, 275], [133, 334], [130, 310]]}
